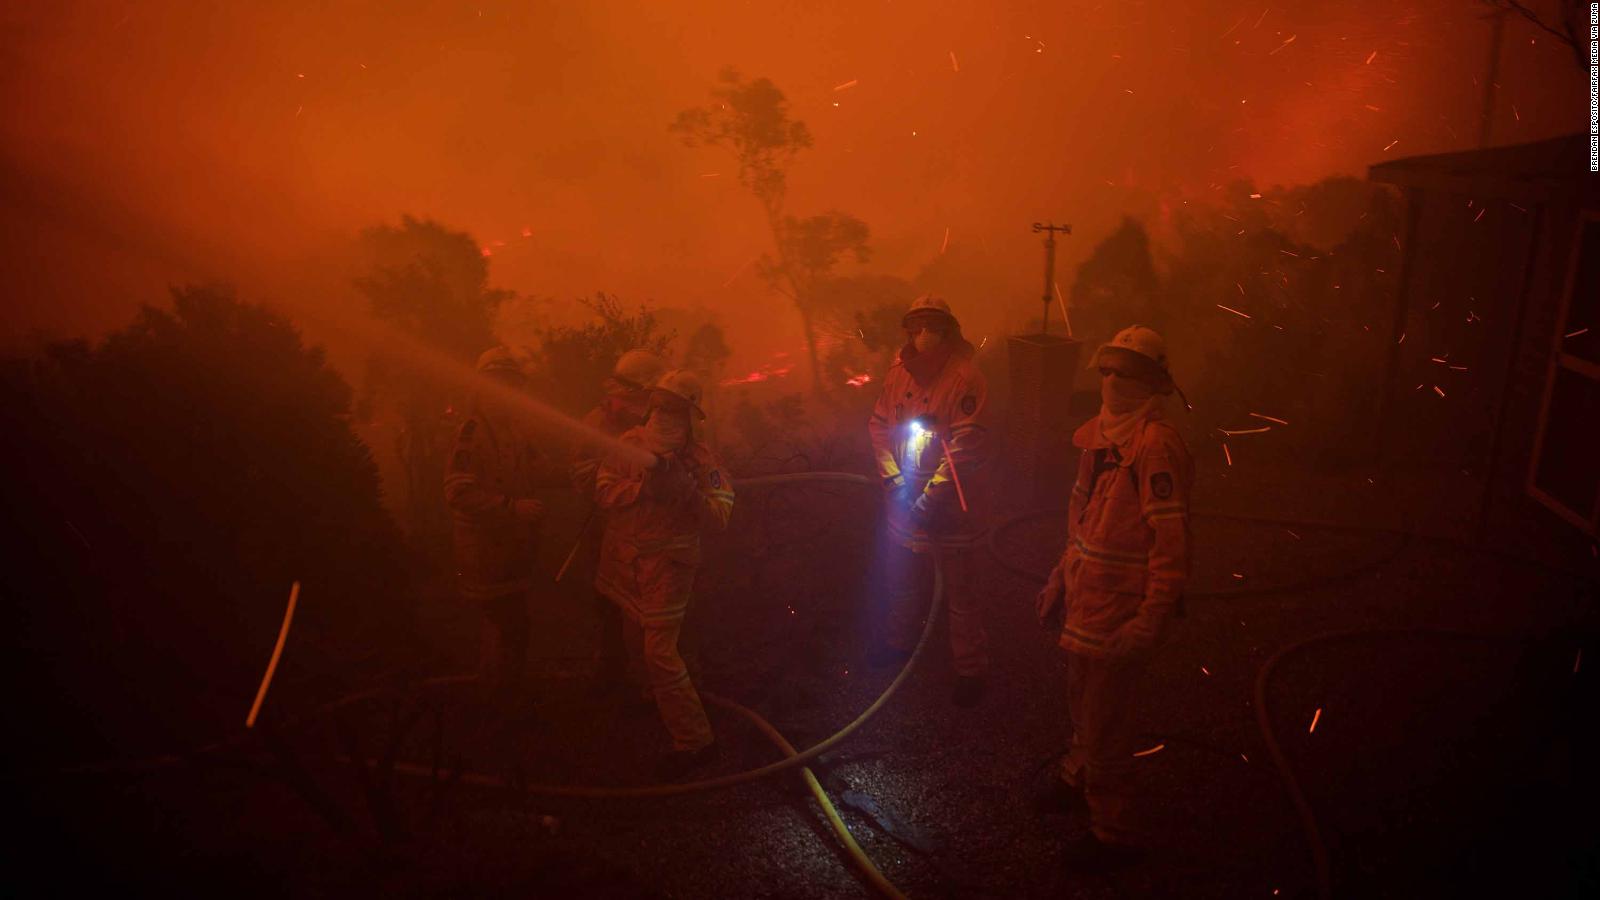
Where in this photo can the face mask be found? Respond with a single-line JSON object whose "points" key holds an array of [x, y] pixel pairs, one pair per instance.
{"points": [[926, 340], [1123, 395], [666, 432]]}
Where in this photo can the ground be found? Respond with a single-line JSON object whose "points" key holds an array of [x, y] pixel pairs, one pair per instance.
{"points": [[1439, 765]]}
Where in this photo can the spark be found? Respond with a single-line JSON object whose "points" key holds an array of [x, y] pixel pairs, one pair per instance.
{"points": [[1391, 144], [735, 276], [1204, 671], [277, 651], [1458, 368], [1438, 359], [1234, 311], [1230, 30], [1515, 207], [1371, 107], [527, 231], [1226, 455], [1515, 113], [982, 342], [1396, 239], [1255, 196], [1243, 757], [1156, 749], [1370, 57], [1244, 430], [1240, 287], [1438, 390], [847, 85], [859, 380], [1574, 334], [709, 174], [1063, 304], [953, 64], [1481, 211], [1263, 16], [1290, 253], [1402, 338], [946, 240], [1238, 576], [486, 251], [1315, 716], [1292, 534], [1284, 44]]}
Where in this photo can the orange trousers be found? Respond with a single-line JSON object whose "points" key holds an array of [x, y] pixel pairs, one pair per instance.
{"points": [[1102, 695], [665, 586], [910, 591]]}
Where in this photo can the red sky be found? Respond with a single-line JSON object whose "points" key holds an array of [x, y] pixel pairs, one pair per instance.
{"points": [[150, 143]]}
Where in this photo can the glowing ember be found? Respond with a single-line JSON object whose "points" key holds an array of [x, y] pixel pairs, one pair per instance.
{"points": [[1269, 418], [1391, 144], [1370, 57], [847, 85], [1226, 455], [1573, 334], [946, 244], [953, 64], [1481, 212], [1232, 432], [1234, 311], [1205, 671], [1314, 718], [1156, 749], [859, 380], [1438, 390]]}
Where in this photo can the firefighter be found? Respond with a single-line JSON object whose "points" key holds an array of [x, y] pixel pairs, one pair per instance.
{"points": [[929, 440], [650, 553], [627, 400], [1116, 589], [493, 470]]}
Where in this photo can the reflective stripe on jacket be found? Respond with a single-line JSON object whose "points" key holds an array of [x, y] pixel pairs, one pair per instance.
{"points": [[958, 403], [490, 468], [1127, 554], [639, 524]]}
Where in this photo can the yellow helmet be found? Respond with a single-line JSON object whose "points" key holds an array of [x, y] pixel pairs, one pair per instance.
{"points": [[685, 386], [1144, 349], [638, 368], [931, 306], [498, 360]]}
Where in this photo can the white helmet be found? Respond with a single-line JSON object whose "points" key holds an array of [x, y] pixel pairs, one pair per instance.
{"points": [[638, 368], [685, 385], [500, 360], [1144, 348], [930, 305]]}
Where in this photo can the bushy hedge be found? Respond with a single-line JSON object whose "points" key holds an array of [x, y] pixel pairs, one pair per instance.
{"points": [[164, 489]]}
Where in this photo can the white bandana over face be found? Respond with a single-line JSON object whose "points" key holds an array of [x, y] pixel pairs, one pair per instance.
{"points": [[1125, 404]]}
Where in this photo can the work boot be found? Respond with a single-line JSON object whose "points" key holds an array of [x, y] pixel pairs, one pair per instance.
{"points": [[882, 656], [968, 691], [1054, 797], [674, 764], [1088, 855]]}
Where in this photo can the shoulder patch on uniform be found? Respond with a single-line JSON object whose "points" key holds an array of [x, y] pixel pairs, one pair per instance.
{"points": [[1161, 485], [716, 478], [969, 404]]}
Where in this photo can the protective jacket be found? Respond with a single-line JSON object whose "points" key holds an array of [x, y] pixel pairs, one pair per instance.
{"points": [[613, 416], [1127, 555], [649, 516], [951, 402], [492, 467]]}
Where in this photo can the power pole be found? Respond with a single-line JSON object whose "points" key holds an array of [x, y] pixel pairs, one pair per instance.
{"points": [[1050, 230]]}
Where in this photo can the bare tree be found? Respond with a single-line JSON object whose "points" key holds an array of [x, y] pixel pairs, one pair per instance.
{"points": [[751, 119], [1566, 24]]}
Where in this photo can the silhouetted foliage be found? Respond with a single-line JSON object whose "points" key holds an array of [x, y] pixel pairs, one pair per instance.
{"points": [[574, 360], [432, 283], [1116, 286], [172, 482]]}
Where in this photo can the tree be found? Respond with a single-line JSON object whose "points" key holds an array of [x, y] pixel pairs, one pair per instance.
{"points": [[751, 119], [432, 283], [172, 483], [573, 361], [1570, 18], [1117, 285]]}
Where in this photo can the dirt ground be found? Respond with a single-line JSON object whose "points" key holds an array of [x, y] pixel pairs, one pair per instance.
{"points": [[1439, 765]]}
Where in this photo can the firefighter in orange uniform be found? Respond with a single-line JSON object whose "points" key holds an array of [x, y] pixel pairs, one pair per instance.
{"points": [[929, 439], [489, 483], [650, 553], [1117, 587], [626, 403]]}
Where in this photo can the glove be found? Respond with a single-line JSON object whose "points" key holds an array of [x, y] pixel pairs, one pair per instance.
{"points": [[897, 492], [922, 516], [527, 510], [668, 481], [1051, 604]]}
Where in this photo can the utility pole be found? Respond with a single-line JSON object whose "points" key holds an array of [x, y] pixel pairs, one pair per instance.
{"points": [[1050, 230]]}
